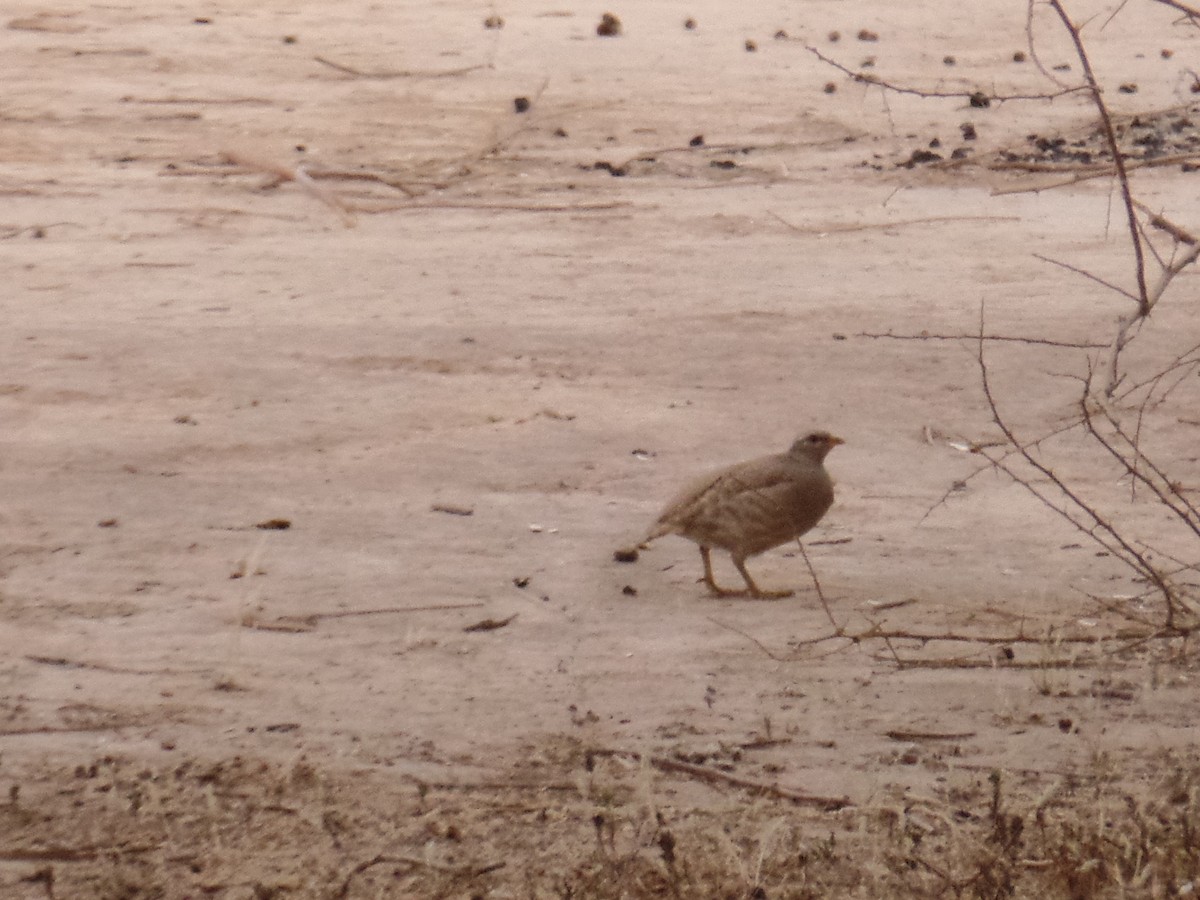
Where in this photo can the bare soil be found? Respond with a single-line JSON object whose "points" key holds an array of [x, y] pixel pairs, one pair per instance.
{"points": [[311, 485]]}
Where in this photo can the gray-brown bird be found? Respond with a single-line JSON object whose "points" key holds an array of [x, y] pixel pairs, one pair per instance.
{"points": [[752, 507]]}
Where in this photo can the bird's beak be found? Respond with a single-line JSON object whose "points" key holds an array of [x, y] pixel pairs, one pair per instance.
{"points": [[834, 440]]}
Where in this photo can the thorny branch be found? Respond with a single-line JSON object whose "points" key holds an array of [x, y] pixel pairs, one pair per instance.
{"points": [[1076, 510], [1110, 138], [975, 96]]}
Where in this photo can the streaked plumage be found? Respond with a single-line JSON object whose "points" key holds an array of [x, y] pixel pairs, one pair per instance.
{"points": [[752, 507]]}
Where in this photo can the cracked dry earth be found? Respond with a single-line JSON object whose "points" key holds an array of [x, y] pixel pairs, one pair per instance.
{"points": [[311, 486]]}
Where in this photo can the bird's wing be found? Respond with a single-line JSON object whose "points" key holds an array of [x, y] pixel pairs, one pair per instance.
{"points": [[765, 476]]}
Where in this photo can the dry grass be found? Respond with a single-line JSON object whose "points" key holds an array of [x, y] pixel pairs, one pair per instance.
{"points": [[114, 828]]}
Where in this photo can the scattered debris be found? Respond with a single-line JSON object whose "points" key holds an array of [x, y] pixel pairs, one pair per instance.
{"points": [[452, 510], [297, 624], [625, 554], [614, 171], [521, 104], [911, 736], [610, 26], [919, 157], [490, 624], [274, 524]]}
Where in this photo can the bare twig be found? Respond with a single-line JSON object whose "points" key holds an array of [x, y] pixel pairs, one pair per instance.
{"points": [[490, 624], [716, 776], [296, 174], [1016, 339], [412, 862], [869, 79], [1090, 277], [1161, 222], [1086, 172], [1095, 526], [302, 623], [397, 73], [901, 735], [820, 593], [868, 226], [1190, 11]]}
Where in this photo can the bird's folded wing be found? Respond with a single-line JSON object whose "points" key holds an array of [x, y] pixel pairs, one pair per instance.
{"points": [[711, 493]]}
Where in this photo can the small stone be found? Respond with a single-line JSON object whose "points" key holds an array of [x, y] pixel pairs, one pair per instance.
{"points": [[610, 26]]}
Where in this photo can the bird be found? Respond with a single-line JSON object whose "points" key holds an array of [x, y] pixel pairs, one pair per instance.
{"points": [[751, 507]]}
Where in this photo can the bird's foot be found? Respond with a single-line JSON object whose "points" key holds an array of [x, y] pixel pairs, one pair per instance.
{"points": [[717, 591], [771, 595]]}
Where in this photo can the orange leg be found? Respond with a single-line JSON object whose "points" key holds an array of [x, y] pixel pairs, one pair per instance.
{"points": [[755, 592], [716, 589]]}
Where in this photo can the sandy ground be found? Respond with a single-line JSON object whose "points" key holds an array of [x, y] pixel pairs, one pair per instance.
{"points": [[191, 349]]}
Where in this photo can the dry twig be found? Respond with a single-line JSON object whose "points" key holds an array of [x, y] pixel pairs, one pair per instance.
{"points": [[292, 173], [716, 776]]}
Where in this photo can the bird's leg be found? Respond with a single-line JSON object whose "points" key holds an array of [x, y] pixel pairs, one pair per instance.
{"points": [[755, 591], [719, 591]]}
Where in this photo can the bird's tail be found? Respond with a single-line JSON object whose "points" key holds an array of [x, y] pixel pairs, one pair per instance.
{"points": [[630, 554]]}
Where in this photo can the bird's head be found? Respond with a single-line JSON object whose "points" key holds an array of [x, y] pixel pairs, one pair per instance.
{"points": [[815, 445]]}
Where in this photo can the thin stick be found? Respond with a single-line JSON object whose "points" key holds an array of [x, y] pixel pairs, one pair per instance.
{"points": [[1110, 137], [927, 220], [837, 629], [1096, 525], [864, 78], [1091, 277], [1189, 11], [396, 73], [716, 776], [1016, 339], [752, 639], [302, 623], [293, 173]]}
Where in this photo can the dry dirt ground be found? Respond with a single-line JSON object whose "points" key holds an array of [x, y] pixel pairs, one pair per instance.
{"points": [[549, 319]]}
